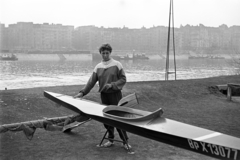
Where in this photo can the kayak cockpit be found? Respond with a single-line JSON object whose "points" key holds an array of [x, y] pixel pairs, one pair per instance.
{"points": [[125, 113]]}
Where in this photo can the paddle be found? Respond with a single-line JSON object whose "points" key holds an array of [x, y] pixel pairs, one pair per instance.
{"points": [[73, 125]]}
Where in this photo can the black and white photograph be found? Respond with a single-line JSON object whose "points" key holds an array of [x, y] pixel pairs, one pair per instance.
{"points": [[119, 79]]}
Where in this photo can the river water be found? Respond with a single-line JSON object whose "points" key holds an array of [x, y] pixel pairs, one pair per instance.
{"points": [[48, 70]]}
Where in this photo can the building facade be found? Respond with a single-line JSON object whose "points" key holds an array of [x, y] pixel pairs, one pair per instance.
{"points": [[26, 36]]}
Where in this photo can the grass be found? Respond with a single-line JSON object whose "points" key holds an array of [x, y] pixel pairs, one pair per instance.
{"points": [[193, 102]]}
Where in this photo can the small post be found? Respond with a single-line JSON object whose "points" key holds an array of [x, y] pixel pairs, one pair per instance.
{"points": [[229, 92]]}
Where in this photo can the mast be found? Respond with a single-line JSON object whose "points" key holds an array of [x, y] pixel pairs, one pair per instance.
{"points": [[167, 72]]}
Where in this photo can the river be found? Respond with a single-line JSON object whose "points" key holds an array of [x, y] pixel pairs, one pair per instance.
{"points": [[48, 70]]}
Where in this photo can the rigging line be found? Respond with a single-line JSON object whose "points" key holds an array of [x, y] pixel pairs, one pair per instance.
{"points": [[167, 57], [174, 43]]}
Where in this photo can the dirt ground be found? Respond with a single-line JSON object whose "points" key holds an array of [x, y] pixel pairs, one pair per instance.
{"points": [[195, 102]]}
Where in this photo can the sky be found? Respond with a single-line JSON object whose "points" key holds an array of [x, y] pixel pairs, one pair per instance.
{"points": [[121, 13]]}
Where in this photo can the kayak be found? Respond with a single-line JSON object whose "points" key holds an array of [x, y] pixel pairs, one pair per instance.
{"points": [[154, 126]]}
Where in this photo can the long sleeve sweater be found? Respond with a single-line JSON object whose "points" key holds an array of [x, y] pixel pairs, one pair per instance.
{"points": [[110, 72]]}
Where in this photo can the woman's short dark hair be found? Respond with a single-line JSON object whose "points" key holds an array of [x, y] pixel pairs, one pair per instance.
{"points": [[105, 47]]}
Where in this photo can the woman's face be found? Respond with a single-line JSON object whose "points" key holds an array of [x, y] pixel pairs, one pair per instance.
{"points": [[105, 55]]}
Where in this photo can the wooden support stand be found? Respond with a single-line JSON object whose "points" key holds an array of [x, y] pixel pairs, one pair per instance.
{"points": [[230, 87]]}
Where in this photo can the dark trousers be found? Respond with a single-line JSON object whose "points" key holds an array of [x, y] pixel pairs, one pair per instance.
{"points": [[113, 99]]}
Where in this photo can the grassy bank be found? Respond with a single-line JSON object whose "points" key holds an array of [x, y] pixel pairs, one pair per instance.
{"points": [[195, 102]]}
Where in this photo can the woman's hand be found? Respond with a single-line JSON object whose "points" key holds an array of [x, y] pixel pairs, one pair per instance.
{"points": [[108, 86], [79, 95]]}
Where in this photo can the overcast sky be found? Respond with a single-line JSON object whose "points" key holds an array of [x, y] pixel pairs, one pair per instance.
{"points": [[119, 13]]}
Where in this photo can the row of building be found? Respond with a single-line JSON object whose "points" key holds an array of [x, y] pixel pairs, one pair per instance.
{"points": [[27, 37]]}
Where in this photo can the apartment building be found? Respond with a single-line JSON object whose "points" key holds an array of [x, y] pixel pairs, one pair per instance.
{"points": [[3, 38], [27, 36]]}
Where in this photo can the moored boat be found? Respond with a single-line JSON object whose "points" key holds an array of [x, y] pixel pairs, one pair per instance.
{"points": [[215, 57], [205, 57], [97, 57], [8, 57], [59, 52], [135, 56], [197, 57]]}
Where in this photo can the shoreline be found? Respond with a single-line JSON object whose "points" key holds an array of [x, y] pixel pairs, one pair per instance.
{"points": [[81, 85]]}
